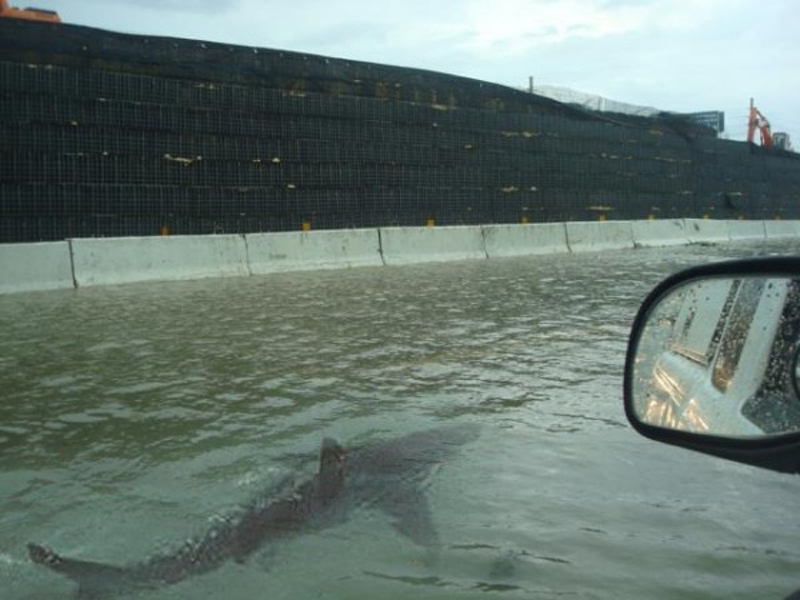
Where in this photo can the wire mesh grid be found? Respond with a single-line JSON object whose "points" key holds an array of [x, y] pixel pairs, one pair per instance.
{"points": [[89, 152]]}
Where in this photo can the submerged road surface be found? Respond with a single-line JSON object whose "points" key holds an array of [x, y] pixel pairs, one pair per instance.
{"points": [[135, 417]]}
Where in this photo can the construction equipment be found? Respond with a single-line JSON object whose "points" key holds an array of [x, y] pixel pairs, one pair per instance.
{"points": [[758, 121], [782, 141], [28, 14]]}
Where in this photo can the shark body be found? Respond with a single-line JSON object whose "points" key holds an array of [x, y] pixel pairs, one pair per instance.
{"points": [[390, 476]]}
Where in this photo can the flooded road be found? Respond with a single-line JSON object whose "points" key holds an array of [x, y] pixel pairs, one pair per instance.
{"points": [[135, 416]]}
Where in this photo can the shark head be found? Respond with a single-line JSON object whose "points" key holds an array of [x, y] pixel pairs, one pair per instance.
{"points": [[331, 468]]}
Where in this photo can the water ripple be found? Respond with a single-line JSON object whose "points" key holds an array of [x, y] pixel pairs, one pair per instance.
{"points": [[166, 403]]}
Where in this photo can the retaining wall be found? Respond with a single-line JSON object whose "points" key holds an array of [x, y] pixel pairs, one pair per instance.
{"points": [[707, 230], [589, 236], [101, 261], [525, 240], [781, 229], [41, 266], [657, 233], [296, 251], [406, 245], [746, 230], [165, 124]]}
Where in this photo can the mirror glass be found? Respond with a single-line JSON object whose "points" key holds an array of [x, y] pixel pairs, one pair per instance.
{"points": [[720, 356]]}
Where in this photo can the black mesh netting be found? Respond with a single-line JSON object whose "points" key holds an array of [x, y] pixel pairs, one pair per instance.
{"points": [[107, 134]]}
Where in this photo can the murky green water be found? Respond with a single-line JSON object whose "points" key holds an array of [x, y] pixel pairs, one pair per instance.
{"points": [[133, 416]]}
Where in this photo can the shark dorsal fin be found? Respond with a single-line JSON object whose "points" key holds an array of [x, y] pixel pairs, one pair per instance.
{"points": [[331, 456], [331, 468]]}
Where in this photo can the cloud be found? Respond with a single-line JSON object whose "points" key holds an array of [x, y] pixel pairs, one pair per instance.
{"points": [[206, 7], [509, 28], [512, 27]]}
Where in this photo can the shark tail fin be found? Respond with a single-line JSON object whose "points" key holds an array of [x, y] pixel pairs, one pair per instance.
{"points": [[44, 556], [95, 580]]}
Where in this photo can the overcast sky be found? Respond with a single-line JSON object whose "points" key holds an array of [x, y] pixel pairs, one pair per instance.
{"points": [[678, 55]]}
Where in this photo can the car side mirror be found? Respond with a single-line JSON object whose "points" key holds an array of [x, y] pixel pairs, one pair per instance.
{"points": [[713, 362]]}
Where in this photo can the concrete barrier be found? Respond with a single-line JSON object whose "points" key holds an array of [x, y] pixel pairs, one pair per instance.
{"points": [[707, 230], [656, 233], [746, 230], [781, 229], [299, 250], [101, 261], [525, 240], [406, 245], [38, 266], [591, 236]]}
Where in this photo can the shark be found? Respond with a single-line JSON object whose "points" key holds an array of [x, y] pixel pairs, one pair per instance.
{"points": [[389, 475]]}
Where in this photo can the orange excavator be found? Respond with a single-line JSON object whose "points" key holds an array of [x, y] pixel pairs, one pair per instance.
{"points": [[760, 122], [28, 14]]}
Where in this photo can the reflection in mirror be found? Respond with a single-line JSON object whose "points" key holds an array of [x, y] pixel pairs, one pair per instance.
{"points": [[720, 356], [796, 371]]}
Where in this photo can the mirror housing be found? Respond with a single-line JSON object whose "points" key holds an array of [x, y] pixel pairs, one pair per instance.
{"points": [[713, 362]]}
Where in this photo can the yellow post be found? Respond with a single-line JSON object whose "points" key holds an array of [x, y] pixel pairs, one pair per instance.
{"points": [[163, 230], [523, 219], [602, 217], [306, 226], [430, 222]]}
